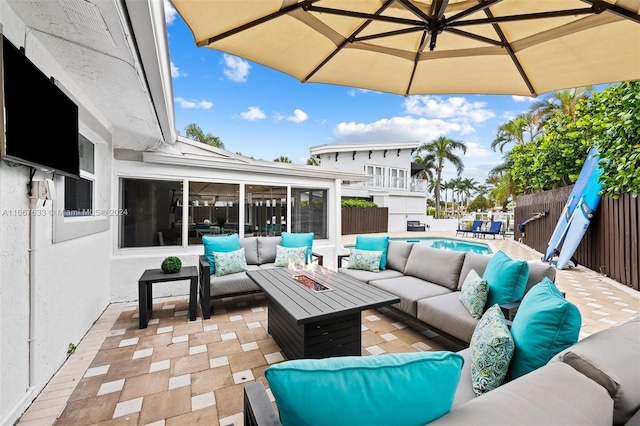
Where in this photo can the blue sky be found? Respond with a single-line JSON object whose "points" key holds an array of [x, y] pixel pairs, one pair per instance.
{"points": [[266, 114]]}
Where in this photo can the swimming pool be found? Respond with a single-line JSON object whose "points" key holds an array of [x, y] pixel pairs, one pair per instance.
{"points": [[450, 244]]}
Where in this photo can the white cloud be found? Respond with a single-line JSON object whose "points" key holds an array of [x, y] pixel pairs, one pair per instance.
{"points": [[169, 12], [236, 69], [475, 150], [523, 98], [298, 116], [175, 71], [194, 104], [252, 114], [455, 108], [394, 129]]}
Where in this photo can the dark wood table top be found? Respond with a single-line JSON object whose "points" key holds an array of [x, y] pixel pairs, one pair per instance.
{"points": [[346, 295], [185, 273]]}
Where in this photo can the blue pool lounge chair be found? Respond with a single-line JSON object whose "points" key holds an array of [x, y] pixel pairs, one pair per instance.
{"points": [[494, 229], [477, 225]]}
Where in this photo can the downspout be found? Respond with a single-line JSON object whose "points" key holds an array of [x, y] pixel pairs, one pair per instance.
{"points": [[33, 204]]}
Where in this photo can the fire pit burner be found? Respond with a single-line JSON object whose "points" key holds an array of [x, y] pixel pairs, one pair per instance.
{"points": [[310, 283]]}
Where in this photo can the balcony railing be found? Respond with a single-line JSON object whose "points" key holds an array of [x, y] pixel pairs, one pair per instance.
{"points": [[413, 184]]}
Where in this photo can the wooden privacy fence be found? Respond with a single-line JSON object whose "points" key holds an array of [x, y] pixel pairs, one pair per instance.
{"points": [[358, 220], [610, 245]]}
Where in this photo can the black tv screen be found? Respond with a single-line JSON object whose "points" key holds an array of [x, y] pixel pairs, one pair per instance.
{"points": [[40, 121]]}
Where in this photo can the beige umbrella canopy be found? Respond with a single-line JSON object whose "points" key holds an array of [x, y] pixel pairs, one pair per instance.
{"points": [[519, 47]]}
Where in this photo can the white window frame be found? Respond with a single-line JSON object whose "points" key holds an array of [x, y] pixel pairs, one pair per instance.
{"points": [[377, 180], [395, 181]]}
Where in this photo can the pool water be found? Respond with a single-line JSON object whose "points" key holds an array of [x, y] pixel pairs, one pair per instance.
{"points": [[450, 244]]}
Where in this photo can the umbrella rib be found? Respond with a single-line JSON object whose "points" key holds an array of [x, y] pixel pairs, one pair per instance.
{"points": [[423, 43], [474, 36], [350, 39], [617, 10], [512, 54], [524, 17], [388, 34], [367, 16], [302, 5], [480, 6]]}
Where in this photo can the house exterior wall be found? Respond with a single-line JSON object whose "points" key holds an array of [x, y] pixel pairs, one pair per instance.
{"points": [[127, 264], [348, 162], [70, 279]]}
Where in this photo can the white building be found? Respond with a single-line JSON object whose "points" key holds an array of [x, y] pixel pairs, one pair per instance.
{"points": [[142, 191], [390, 183]]}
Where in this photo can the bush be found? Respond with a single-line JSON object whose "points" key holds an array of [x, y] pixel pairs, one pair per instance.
{"points": [[357, 203], [171, 264]]}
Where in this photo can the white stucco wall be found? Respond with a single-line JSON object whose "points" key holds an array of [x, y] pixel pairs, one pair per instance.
{"points": [[70, 279]]}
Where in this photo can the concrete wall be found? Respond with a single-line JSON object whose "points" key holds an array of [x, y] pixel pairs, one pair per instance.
{"points": [[67, 282]]}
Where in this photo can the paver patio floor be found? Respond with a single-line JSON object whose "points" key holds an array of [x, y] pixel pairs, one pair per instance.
{"points": [[177, 372]]}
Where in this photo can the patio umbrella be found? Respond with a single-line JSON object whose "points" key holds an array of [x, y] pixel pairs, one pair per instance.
{"points": [[519, 47]]}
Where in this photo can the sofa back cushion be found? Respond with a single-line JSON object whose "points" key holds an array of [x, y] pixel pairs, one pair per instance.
{"points": [[546, 323], [250, 245], [438, 266], [475, 261], [411, 388], [267, 249], [539, 271], [397, 255], [610, 358]]}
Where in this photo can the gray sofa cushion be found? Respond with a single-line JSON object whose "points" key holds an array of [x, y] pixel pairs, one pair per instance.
{"points": [[366, 276], [448, 314], [267, 249], [464, 391], [233, 283], [250, 245], [551, 395], [538, 271], [435, 265], [610, 358], [397, 254], [472, 261], [409, 290]]}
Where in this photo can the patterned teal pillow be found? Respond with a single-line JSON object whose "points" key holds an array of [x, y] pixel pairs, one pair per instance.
{"points": [[365, 260], [286, 256], [474, 293], [229, 262], [491, 351]]}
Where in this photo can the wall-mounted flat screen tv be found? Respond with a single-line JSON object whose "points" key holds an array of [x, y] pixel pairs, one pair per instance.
{"points": [[40, 120]]}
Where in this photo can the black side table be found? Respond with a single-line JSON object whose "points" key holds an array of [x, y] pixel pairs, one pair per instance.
{"points": [[150, 276]]}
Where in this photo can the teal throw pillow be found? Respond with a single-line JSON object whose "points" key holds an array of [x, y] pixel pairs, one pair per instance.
{"points": [[410, 388], [491, 350], [374, 243], [546, 324], [294, 240], [219, 244], [229, 262], [507, 279], [473, 294], [365, 260], [290, 257]]}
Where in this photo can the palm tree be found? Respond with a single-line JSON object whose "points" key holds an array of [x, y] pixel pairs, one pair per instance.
{"points": [[559, 102], [313, 162], [456, 187], [282, 159], [428, 166], [505, 188], [193, 131], [468, 185], [442, 150], [514, 131]]}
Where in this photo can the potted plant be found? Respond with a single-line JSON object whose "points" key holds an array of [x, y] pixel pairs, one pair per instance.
{"points": [[171, 265]]}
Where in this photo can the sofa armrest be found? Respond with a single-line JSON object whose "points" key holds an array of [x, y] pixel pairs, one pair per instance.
{"points": [[340, 257], [509, 310], [258, 410], [318, 257], [204, 280]]}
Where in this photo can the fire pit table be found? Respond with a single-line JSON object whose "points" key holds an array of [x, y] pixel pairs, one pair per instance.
{"points": [[316, 313]]}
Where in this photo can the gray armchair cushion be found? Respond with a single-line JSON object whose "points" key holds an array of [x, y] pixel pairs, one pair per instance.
{"points": [[397, 255], [538, 271], [250, 245], [610, 358], [267, 249], [435, 265], [533, 400], [448, 314], [409, 290], [232, 283]]}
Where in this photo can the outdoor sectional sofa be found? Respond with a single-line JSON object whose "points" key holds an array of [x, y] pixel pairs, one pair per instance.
{"points": [[259, 253], [596, 381], [428, 282]]}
